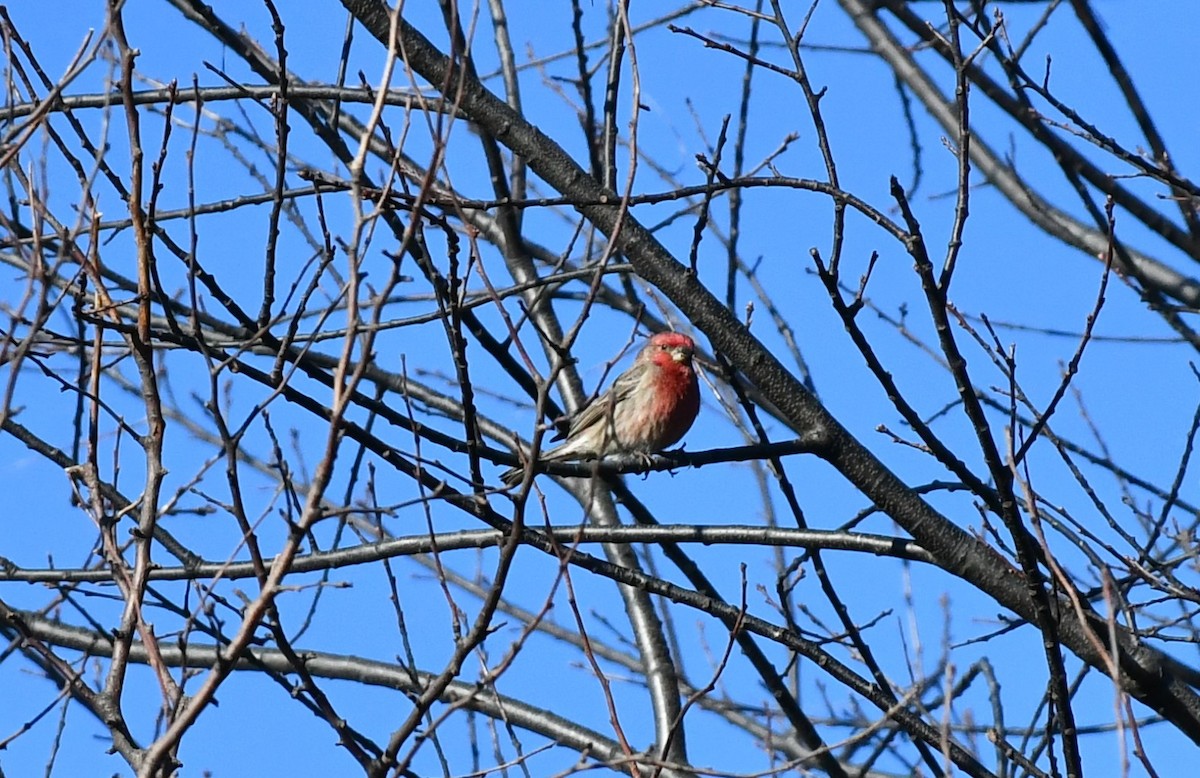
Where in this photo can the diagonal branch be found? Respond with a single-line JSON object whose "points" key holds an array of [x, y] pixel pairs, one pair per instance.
{"points": [[1149, 677]]}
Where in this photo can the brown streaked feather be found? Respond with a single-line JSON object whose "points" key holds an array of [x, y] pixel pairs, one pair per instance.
{"points": [[648, 408]]}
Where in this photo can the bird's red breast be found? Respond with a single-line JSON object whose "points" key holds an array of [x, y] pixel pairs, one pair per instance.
{"points": [[676, 395]]}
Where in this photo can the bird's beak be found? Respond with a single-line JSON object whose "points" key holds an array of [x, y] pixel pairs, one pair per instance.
{"points": [[681, 355]]}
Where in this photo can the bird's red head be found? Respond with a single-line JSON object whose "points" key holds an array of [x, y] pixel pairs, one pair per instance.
{"points": [[669, 346]]}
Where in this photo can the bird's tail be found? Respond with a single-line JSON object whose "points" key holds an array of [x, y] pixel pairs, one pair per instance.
{"points": [[512, 476]]}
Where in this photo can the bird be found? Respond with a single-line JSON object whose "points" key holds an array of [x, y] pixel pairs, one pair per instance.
{"points": [[648, 408]]}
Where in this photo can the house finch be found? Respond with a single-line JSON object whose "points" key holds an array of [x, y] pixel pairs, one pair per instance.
{"points": [[647, 409]]}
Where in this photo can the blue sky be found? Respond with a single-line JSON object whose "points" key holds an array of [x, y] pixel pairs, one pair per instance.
{"points": [[1141, 394]]}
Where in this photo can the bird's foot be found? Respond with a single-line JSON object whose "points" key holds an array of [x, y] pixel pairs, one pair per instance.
{"points": [[646, 461]]}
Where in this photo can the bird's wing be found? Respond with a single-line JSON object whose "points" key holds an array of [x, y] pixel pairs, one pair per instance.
{"points": [[600, 410], [595, 413]]}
